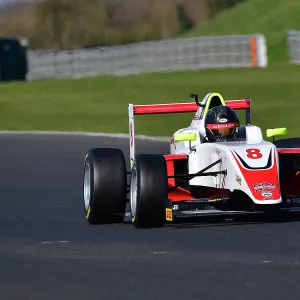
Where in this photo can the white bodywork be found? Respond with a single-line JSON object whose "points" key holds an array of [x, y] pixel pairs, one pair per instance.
{"points": [[237, 177], [258, 177]]}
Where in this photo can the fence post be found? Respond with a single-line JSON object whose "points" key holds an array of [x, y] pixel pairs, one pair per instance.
{"points": [[258, 51]]}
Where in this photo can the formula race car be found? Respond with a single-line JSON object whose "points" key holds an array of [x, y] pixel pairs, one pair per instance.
{"points": [[216, 166]]}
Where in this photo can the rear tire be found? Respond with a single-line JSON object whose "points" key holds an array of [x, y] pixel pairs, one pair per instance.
{"points": [[105, 185], [289, 164], [287, 143], [148, 191]]}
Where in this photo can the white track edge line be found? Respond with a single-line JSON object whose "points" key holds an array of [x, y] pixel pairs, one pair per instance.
{"points": [[83, 133]]}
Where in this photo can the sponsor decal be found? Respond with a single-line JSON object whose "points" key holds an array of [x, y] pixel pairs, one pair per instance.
{"points": [[175, 207], [220, 126], [223, 120], [264, 187], [169, 214], [267, 194], [238, 179]]}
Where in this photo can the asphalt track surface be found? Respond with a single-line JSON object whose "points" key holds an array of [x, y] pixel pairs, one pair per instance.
{"points": [[48, 251]]}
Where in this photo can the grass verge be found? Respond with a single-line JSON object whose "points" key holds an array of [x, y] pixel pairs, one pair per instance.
{"points": [[100, 103]]}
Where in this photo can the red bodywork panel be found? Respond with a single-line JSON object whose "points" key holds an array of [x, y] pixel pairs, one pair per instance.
{"points": [[254, 176], [292, 185], [288, 151], [184, 107], [180, 193]]}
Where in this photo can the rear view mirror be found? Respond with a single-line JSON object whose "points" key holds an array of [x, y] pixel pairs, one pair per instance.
{"points": [[185, 137], [276, 132]]}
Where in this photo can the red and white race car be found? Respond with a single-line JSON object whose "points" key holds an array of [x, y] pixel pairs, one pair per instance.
{"points": [[245, 176]]}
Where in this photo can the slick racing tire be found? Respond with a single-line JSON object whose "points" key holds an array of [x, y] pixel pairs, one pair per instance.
{"points": [[104, 185], [148, 191]]}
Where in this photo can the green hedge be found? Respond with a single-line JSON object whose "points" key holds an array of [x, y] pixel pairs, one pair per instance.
{"points": [[69, 24]]}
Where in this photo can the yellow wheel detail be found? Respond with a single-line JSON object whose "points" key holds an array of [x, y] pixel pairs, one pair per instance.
{"points": [[88, 213]]}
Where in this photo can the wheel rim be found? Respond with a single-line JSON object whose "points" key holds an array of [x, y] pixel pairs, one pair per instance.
{"points": [[133, 192], [87, 186]]}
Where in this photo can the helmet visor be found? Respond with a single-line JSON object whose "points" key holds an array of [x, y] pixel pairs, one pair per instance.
{"points": [[223, 130]]}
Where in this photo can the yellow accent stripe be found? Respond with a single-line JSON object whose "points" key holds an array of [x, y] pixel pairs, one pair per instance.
{"points": [[276, 132], [209, 100], [88, 213], [185, 136]]}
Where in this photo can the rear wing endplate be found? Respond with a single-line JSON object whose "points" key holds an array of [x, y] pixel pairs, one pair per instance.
{"points": [[173, 108]]}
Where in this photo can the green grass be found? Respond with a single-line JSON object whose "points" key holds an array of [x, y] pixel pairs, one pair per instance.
{"points": [[100, 104], [273, 18]]}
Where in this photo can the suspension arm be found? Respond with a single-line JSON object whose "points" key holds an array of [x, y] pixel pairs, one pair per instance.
{"points": [[200, 173]]}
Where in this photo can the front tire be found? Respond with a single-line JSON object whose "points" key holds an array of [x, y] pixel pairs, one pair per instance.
{"points": [[148, 191], [104, 185]]}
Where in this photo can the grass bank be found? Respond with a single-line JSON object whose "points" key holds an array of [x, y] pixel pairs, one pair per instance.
{"points": [[100, 103], [273, 18]]}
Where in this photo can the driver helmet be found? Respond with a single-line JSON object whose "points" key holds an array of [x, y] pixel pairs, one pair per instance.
{"points": [[221, 123]]}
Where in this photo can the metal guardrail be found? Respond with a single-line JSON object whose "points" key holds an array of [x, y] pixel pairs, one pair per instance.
{"points": [[293, 40], [232, 51]]}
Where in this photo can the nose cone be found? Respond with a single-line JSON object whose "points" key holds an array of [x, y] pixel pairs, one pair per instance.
{"points": [[259, 169]]}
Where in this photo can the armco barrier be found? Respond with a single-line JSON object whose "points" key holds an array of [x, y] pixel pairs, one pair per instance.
{"points": [[293, 40], [232, 51]]}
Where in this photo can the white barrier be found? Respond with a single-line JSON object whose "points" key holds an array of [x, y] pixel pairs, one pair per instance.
{"points": [[233, 51], [293, 40]]}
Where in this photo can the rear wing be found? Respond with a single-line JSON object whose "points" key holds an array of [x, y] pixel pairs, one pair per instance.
{"points": [[173, 108]]}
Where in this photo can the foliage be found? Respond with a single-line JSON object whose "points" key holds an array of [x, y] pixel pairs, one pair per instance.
{"points": [[69, 24]]}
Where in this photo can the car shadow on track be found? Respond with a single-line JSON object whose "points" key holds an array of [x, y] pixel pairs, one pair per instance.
{"points": [[253, 220]]}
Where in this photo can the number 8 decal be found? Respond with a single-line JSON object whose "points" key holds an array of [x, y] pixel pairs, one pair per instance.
{"points": [[254, 153]]}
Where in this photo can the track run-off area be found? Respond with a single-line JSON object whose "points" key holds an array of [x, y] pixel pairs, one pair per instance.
{"points": [[49, 251]]}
